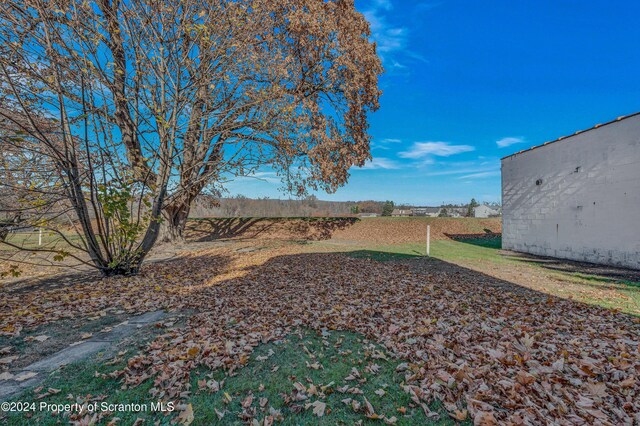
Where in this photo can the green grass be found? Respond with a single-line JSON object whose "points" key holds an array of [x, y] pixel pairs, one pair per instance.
{"points": [[477, 250], [79, 381], [50, 240], [494, 242], [628, 292], [270, 373]]}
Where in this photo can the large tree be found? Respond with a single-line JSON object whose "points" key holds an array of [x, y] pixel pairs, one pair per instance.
{"points": [[142, 105], [205, 90]]}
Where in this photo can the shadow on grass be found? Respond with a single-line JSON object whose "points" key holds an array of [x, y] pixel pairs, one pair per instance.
{"points": [[92, 279], [384, 256], [596, 277], [583, 270], [311, 228], [488, 239]]}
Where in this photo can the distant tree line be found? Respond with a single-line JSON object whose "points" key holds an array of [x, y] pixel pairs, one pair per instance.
{"points": [[242, 206]]}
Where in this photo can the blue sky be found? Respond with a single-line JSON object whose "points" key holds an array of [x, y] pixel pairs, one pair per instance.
{"points": [[467, 82]]}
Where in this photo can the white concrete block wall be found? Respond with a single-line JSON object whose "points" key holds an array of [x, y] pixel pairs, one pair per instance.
{"points": [[587, 206]]}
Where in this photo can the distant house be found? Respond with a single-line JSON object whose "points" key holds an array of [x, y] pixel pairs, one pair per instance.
{"points": [[425, 211], [455, 211], [400, 212], [368, 215], [485, 211]]}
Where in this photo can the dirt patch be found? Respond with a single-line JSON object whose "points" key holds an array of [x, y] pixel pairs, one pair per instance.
{"points": [[266, 228]]}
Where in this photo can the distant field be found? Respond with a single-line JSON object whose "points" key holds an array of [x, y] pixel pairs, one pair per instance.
{"points": [[384, 230]]}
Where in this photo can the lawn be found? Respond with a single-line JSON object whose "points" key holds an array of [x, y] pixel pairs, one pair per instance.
{"points": [[447, 250], [49, 240]]}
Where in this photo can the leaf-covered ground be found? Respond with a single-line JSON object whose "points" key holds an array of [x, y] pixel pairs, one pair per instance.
{"points": [[339, 372], [490, 351]]}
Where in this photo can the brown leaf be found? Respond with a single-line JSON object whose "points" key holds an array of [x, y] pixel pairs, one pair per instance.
{"points": [[8, 359], [5, 375], [318, 407], [246, 403], [25, 375], [186, 416]]}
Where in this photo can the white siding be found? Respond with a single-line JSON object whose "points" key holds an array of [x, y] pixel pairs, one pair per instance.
{"points": [[587, 206], [483, 211]]}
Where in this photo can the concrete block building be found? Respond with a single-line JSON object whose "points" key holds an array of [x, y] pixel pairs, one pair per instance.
{"points": [[577, 197]]}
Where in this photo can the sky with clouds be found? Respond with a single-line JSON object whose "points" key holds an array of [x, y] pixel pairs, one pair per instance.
{"points": [[467, 82]]}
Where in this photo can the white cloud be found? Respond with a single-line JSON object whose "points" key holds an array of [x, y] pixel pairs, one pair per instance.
{"points": [[384, 143], [384, 4], [508, 141], [439, 149], [391, 39], [380, 163], [388, 38], [268, 177], [480, 175]]}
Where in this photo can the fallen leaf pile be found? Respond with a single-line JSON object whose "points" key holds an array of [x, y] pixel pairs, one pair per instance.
{"points": [[489, 350]]}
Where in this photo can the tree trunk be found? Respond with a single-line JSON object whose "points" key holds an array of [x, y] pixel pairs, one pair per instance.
{"points": [[122, 270], [131, 264], [128, 265], [175, 222]]}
